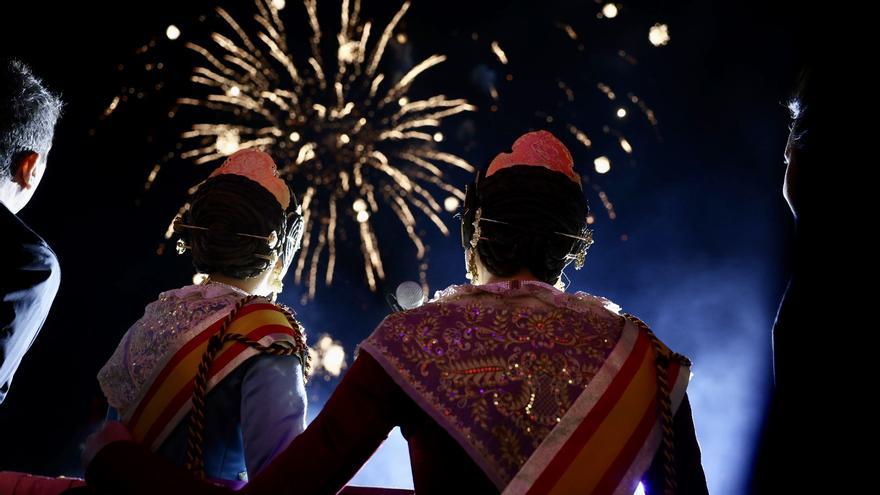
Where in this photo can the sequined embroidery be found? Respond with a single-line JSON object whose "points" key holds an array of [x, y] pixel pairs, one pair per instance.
{"points": [[167, 323], [500, 365]]}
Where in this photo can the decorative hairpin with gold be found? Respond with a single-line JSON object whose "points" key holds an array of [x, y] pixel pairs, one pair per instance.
{"points": [[580, 256], [478, 215]]}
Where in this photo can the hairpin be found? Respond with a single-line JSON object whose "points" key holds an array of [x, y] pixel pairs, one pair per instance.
{"points": [[271, 239], [477, 234], [588, 239]]}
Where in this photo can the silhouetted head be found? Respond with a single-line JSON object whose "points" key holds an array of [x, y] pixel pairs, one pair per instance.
{"points": [[28, 113], [532, 211]]}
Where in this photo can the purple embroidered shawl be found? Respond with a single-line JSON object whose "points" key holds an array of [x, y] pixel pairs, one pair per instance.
{"points": [[497, 365]]}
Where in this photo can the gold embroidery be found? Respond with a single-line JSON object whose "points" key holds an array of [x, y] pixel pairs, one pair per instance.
{"points": [[501, 374]]}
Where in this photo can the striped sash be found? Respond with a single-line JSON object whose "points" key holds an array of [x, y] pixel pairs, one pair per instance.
{"points": [[166, 397], [607, 439]]}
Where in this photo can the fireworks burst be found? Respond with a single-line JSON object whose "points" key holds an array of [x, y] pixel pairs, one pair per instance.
{"points": [[336, 112], [346, 131]]}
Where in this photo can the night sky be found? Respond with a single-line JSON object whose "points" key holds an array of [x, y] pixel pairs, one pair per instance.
{"points": [[696, 249]]}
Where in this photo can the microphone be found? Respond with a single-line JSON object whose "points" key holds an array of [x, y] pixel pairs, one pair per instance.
{"points": [[409, 295]]}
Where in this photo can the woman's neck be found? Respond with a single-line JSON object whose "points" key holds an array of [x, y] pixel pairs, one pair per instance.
{"points": [[522, 275], [249, 285]]}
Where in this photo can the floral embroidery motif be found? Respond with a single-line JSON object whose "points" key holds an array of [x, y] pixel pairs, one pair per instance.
{"points": [[499, 365]]}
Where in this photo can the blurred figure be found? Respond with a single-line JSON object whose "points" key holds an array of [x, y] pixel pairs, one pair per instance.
{"points": [[801, 189], [806, 430], [29, 272]]}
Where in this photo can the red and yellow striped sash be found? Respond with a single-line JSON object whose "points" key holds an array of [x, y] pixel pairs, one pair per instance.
{"points": [[607, 439], [168, 394]]}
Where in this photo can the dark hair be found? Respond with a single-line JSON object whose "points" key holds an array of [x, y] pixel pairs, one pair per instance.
{"points": [[534, 202], [28, 113], [228, 205], [801, 107], [822, 131]]}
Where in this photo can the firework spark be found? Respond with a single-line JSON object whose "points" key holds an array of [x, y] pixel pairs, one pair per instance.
{"points": [[569, 31], [658, 35], [607, 204], [496, 49], [610, 11], [343, 129], [581, 136], [602, 165], [327, 357]]}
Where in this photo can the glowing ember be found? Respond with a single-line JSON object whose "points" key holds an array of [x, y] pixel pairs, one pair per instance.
{"points": [[658, 35], [496, 48], [610, 10], [172, 32], [602, 164]]}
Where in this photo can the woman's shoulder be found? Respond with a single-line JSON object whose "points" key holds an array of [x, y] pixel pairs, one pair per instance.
{"points": [[168, 322]]}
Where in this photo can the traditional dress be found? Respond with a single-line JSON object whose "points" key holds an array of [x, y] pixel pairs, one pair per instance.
{"points": [[513, 387], [546, 392], [255, 405]]}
